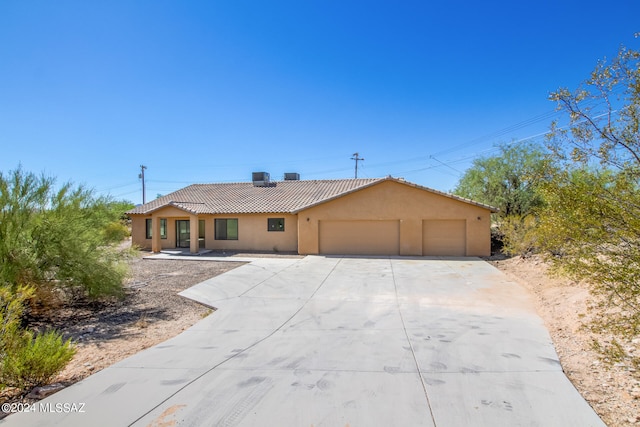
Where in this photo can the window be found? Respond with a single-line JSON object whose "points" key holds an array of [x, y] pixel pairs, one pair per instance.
{"points": [[275, 224], [163, 228], [201, 238], [226, 229]]}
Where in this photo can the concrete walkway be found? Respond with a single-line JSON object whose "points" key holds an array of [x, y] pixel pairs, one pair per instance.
{"points": [[325, 341]]}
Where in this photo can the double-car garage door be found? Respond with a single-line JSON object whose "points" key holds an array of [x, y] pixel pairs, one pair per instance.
{"points": [[382, 237]]}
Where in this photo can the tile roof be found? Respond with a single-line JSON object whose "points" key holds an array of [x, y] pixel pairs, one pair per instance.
{"points": [[279, 197], [244, 197]]}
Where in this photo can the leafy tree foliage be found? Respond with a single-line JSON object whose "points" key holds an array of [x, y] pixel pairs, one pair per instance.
{"points": [[591, 228], [50, 239], [591, 231], [62, 238], [508, 181], [604, 115]]}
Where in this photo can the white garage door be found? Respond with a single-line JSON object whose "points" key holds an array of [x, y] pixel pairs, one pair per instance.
{"points": [[446, 237], [359, 237]]}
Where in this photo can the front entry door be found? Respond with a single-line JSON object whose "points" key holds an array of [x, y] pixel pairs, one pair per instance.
{"points": [[183, 231]]}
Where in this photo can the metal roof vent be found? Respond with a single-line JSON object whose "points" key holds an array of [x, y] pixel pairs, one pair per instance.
{"points": [[260, 179], [291, 176]]}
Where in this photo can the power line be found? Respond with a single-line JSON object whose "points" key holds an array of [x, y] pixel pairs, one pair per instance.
{"points": [[509, 129], [496, 148], [107, 189], [434, 156], [125, 194], [444, 164]]}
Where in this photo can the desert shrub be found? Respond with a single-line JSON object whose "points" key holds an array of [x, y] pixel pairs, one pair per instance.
{"points": [[590, 231], [26, 359], [35, 360], [11, 310], [63, 237], [116, 231], [591, 228], [519, 235]]}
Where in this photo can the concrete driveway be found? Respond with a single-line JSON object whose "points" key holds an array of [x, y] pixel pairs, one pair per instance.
{"points": [[329, 341]]}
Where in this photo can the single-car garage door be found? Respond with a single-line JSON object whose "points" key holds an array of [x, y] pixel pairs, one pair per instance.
{"points": [[366, 237], [444, 237]]}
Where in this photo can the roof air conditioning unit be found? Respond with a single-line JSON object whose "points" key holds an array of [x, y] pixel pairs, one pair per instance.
{"points": [[291, 176], [260, 179]]}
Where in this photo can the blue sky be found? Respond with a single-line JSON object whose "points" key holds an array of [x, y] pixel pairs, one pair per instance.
{"points": [[209, 91]]}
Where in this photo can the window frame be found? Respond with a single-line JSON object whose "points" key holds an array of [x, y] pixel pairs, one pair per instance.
{"points": [[275, 224], [149, 228], [217, 230]]}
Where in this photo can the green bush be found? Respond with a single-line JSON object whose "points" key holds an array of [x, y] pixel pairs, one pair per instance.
{"points": [[116, 231], [36, 360], [66, 237], [11, 310], [590, 232], [518, 235], [590, 229], [27, 360]]}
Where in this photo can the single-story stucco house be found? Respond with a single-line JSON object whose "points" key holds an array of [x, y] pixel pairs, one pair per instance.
{"points": [[384, 216]]}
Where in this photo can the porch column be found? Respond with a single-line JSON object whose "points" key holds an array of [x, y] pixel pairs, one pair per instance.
{"points": [[194, 234], [156, 245]]}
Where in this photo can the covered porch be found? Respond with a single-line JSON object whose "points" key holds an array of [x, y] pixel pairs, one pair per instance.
{"points": [[186, 233]]}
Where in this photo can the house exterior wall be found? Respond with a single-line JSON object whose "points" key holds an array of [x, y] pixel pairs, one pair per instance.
{"points": [[252, 231], [138, 232], [253, 234], [391, 200]]}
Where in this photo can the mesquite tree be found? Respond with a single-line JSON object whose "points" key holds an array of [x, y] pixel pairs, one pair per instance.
{"points": [[591, 226], [58, 237]]}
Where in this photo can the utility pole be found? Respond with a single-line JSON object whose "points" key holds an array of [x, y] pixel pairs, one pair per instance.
{"points": [[357, 159], [141, 176]]}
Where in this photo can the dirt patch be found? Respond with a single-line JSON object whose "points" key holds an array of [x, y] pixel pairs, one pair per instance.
{"points": [[151, 312], [612, 390]]}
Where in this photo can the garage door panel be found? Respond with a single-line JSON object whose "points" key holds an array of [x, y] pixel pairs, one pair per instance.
{"points": [[367, 237], [447, 237]]}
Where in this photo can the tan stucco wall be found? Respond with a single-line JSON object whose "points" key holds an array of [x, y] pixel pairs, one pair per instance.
{"points": [[390, 200], [253, 234], [252, 231], [138, 232]]}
